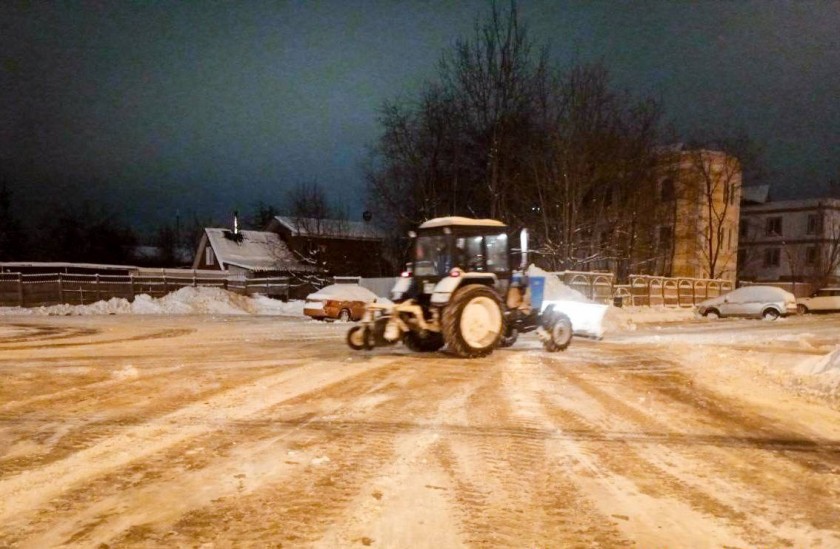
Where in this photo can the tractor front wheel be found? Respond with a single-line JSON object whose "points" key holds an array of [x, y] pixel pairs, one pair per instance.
{"points": [[472, 322], [559, 333]]}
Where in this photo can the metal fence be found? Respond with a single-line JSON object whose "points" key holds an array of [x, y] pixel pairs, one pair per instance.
{"points": [[34, 290], [648, 290]]}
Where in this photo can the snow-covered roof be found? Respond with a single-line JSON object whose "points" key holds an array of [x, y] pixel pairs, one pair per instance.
{"points": [[757, 194], [344, 292], [257, 251], [460, 221], [330, 228]]}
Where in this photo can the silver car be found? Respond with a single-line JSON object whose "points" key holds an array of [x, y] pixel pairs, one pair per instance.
{"points": [[766, 302]]}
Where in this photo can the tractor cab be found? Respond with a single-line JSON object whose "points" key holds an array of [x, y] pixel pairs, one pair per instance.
{"points": [[470, 245], [457, 248]]}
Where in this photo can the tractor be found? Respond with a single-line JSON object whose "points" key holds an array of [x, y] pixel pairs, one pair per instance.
{"points": [[466, 288]]}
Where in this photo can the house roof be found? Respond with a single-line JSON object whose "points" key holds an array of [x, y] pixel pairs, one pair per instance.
{"points": [[460, 221], [257, 251], [757, 194], [330, 228]]}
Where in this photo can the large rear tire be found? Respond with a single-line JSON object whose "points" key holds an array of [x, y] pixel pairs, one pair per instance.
{"points": [[472, 323], [428, 343]]}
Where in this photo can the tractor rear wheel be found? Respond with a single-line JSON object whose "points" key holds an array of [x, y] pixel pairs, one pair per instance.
{"points": [[472, 322], [423, 343]]}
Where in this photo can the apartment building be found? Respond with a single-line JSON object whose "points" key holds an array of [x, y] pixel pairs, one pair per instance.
{"points": [[790, 240]]}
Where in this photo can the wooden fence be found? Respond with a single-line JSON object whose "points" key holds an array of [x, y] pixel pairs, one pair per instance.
{"points": [[35, 290]]}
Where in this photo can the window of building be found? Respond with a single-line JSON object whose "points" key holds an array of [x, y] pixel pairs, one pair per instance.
{"points": [[742, 257], [774, 226], [209, 258], [666, 190], [811, 255], [772, 257], [742, 229], [813, 224], [664, 238]]}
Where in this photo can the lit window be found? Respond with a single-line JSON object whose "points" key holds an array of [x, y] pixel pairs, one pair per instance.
{"points": [[209, 258]]}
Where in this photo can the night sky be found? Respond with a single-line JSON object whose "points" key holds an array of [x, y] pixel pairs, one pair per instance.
{"points": [[198, 108]]}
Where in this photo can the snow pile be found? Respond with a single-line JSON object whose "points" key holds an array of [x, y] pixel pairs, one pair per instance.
{"points": [[189, 300], [826, 364], [626, 319], [344, 292], [555, 290]]}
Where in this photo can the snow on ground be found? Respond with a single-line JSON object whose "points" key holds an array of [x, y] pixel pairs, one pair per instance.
{"points": [[189, 300]]}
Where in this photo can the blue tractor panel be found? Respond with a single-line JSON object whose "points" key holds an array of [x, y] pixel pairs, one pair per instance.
{"points": [[537, 284]]}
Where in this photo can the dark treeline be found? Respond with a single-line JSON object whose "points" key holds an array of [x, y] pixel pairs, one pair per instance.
{"points": [[501, 133]]}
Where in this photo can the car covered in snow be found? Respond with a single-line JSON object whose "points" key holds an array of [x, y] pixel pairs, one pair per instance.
{"points": [[343, 302], [825, 300], [766, 302]]}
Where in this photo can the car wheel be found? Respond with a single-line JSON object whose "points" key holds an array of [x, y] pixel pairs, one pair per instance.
{"points": [[802, 309], [712, 313], [344, 315], [770, 314]]}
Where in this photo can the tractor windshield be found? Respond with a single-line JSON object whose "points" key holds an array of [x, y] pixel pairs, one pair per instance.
{"points": [[431, 256]]}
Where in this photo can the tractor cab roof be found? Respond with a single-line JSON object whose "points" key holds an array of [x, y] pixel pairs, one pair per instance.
{"points": [[455, 221]]}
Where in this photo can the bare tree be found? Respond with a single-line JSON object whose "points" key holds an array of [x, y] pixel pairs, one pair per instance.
{"points": [[717, 197], [500, 134]]}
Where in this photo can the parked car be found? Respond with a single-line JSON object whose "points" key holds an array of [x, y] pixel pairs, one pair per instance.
{"points": [[343, 302], [825, 300], [751, 301]]}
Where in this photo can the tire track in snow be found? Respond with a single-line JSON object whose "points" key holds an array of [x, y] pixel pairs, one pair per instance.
{"points": [[721, 469]]}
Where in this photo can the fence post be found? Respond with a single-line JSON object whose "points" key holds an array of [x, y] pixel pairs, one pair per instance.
{"points": [[98, 290], [131, 282], [165, 285], [60, 289], [20, 289]]}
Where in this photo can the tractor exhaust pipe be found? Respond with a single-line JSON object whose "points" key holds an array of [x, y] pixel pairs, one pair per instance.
{"points": [[523, 244]]}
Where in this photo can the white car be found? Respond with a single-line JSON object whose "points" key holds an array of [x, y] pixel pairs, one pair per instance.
{"points": [[825, 300], [766, 302]]}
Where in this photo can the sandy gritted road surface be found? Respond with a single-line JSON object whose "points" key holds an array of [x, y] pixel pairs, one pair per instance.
{"points": [[170, 431]]}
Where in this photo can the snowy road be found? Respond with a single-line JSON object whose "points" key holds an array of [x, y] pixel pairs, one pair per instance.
{"points": [[263, 431]]}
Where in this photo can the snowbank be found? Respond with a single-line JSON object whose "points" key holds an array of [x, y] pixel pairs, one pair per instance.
{"points": [[198, 300], [626, 319], [828, 365], [344, 292]]}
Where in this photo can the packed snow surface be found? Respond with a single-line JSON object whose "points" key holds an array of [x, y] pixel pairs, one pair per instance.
{"points": [[344, 292]]}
